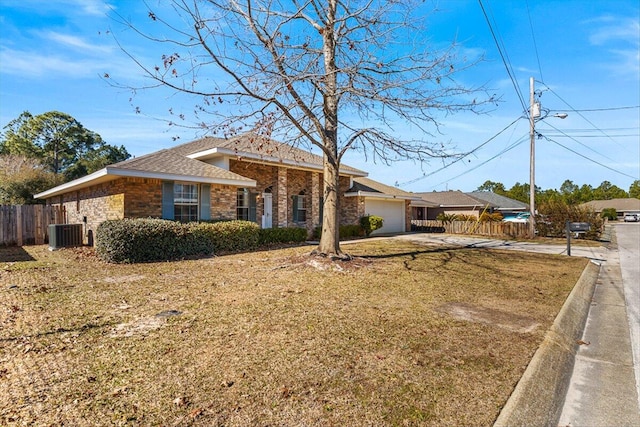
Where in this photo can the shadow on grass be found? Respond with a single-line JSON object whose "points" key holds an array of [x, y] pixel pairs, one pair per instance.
{"points": [[80, 329], [414, 254], [14, 254]]}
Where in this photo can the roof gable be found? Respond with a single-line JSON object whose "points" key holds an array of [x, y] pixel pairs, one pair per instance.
{"points": [[258, 148], [367, 186], [170, 163], [621, 205]]}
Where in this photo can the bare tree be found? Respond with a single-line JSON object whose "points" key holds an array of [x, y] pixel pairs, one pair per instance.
{"points": [[335, 74]]}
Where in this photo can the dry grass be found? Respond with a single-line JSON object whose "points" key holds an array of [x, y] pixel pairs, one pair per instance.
{"points": [[402, 335]]}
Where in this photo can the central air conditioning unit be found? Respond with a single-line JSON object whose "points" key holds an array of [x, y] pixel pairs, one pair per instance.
{"points": [[64, 236]]}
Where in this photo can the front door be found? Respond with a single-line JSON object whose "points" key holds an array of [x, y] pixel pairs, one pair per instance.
{"points": [[267, 216]]}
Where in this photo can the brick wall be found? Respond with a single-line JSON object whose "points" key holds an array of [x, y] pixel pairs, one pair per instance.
{"points": [[223, 202]]}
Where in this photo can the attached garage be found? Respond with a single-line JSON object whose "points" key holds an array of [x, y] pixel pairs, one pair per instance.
{"points": [[392, 211]]}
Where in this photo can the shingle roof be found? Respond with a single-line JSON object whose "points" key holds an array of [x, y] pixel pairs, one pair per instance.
{"points": [[498, 201], [259, 148], [452, 198], [368, 185], [621, 205], [171, 163]]}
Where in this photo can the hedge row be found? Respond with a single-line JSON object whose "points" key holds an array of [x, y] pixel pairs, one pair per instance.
{"points": [[348, 231], [144, 240]]}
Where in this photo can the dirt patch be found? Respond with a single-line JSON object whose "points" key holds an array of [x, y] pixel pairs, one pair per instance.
{"points": [[501, 319], [142, 326], [123, 279]]}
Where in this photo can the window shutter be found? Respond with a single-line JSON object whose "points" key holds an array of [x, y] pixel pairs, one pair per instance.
{"points": [[252, 206], [167, 200], [205, 202], [295, 208], [321, 210]]}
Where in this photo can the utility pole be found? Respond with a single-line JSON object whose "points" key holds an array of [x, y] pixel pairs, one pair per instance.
{"points": [[532, 159]]}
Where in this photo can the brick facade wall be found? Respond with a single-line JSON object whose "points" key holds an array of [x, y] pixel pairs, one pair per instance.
{"points": [[223, 202], [142, 198]]}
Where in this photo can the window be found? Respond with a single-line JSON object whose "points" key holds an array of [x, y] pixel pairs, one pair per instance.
{"points": [[300, 207], [246, 205], [185, 202], [242, 204]]}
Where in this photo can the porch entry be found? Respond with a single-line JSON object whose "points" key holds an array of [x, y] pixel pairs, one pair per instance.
{"points": [[267, 216]]}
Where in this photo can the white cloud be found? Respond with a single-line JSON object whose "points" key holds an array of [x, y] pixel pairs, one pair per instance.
{"points": [[83, 7], [627, 30], [76, 42]]}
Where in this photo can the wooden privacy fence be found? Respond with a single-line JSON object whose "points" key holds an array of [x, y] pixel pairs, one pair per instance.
{"points": [[28, 224], [483, 228]]}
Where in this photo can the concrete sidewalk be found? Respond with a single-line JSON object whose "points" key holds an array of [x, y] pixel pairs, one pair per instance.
{"points": [[603, 390]]}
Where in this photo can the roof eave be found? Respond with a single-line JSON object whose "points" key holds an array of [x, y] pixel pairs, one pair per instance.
{"points": [[375, 195], [110, 173], [83, 182]]}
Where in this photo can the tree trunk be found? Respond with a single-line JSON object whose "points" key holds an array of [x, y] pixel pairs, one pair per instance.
{"points": [[330, 239]]}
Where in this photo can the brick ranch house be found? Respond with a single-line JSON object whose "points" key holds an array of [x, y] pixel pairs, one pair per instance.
{"points": [[247, 177]]}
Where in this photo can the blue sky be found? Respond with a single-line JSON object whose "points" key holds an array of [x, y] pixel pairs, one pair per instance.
{"points": [[584, 55]]}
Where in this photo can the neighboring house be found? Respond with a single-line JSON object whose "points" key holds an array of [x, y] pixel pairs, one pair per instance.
{"points": [[504, 205], [453, 202], [622, 206], [390, 203], [247, 177]]}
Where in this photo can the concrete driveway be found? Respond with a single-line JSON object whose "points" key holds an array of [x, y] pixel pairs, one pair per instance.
{"points": [[598, 253]]}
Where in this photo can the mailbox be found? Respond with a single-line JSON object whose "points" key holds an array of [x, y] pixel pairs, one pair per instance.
{"points": [[579, 226]]}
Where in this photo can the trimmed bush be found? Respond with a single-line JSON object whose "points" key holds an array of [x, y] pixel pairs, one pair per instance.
{"points": [[270, 236], [371, 223], [232, 236], [348, 231], [145, 240]]}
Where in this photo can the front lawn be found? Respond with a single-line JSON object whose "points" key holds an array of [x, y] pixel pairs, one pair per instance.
{"points": [[402, 335]]}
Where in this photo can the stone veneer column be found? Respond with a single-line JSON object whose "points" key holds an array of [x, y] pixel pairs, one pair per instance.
{"points": [[283, 198], [316, 194]]}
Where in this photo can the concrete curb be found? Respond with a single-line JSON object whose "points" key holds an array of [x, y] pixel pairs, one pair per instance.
{"points": [[539, 395]]}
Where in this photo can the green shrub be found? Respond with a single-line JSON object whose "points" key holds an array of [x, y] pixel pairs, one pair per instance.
{"points": [[553, 215], [491, 217], [371, 223], [350, 231], [347, 231], [269, 236], [144, 240], [232, 236], [610, 213], [446, 218], [466, 218]]}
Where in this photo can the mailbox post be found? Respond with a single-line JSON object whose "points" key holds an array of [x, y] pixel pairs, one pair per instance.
{"points": [[575, 227]]}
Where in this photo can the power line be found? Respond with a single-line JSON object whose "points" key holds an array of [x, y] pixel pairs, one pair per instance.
{"points": [[581, 115], [602, 109], [506, 63], [533, 36], [575, 140], [587, 158], [511, 147], [460, 158]]}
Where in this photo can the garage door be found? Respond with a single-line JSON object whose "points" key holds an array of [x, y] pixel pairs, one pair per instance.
{"points": [[392, 211]]}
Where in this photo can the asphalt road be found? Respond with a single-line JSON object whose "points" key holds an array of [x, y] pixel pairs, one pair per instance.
{"points": [[628, 237]]}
